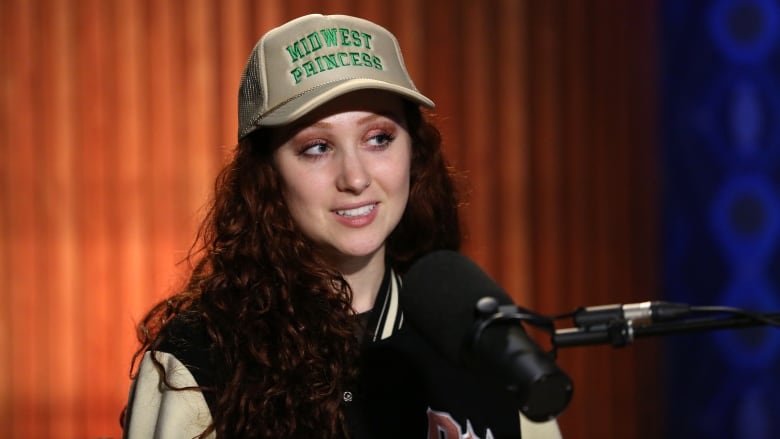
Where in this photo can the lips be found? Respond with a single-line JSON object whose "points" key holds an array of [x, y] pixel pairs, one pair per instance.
{"points": [[358, 216], [357, 211]]}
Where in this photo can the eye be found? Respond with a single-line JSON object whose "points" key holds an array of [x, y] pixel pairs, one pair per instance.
{"points": [[382, 139], [315, 149]]}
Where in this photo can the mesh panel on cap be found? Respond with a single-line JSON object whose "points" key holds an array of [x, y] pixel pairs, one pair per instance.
{"points": [[250, 96]]}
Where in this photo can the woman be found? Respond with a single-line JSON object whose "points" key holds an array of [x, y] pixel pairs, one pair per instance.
{"points": [[289, 326]]}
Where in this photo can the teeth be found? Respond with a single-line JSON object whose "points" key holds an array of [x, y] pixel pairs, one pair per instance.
{"points": [[357, 212]]}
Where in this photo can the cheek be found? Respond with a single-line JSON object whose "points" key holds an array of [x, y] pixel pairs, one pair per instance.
{"points": [[301, 209], [297, 199], [404, 184], [407, 171], [293, 185], [294, 194], [407, 191], [401, 177]]}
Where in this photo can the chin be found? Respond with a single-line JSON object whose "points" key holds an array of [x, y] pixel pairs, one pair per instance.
{"points": [[358, 251]]}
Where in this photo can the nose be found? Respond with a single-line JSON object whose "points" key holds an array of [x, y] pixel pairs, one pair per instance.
{"points": [[353, 176]]}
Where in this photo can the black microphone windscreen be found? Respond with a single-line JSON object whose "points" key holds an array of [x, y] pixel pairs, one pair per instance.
{"points": [[439, 299], [442, 288]]}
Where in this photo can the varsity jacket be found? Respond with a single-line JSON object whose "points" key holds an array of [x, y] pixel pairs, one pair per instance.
{"points": [[406, 389]]}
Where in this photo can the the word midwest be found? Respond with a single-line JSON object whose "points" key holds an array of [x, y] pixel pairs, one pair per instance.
{"points": [[352, 48]]}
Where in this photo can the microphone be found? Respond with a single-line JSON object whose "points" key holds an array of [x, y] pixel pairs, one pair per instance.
{"points": [[636, 313], [439, 298]]}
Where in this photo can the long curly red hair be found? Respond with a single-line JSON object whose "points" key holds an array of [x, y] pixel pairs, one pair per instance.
{"points": [[277, 315]]}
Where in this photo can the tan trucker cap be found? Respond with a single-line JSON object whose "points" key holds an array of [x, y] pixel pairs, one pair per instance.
{"points": [[310, 60]]}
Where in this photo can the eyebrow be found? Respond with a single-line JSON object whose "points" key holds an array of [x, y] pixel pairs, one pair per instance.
{"points": [[365, 119], [384, 114], [295, 130]]}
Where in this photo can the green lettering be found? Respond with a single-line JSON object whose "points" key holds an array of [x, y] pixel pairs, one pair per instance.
{"points": [[314, 40], [356, 38], [294, 51], [305, 46], [297, 72], [330, 61], [367, 61], [331, 36], [308, 66], [319, 63], [355, 58], [367, 37], [377, 63], [344, 37], [341, 60]]}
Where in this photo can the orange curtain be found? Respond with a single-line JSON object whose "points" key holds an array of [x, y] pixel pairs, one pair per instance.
{"points": [[116, 115]]}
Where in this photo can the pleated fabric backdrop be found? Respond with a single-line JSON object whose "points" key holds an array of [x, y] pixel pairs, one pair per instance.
{"points": [[115, 117]]}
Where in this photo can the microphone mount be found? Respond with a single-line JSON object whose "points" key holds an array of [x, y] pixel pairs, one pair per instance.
{"points": [[546, 391], [620, 331], [542, 390], [490, 312]]}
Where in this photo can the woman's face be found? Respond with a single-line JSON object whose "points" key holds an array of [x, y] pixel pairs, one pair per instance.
{"points": [[345, 172]]}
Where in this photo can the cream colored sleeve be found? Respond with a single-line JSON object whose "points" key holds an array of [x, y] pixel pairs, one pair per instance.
{"points": [[156, 411], [539, 430]]}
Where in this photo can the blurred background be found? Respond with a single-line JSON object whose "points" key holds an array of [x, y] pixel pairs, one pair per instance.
{"points": [[612, 151]]}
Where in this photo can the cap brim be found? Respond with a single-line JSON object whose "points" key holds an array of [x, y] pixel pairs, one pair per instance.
{"points": [[298, 107]]}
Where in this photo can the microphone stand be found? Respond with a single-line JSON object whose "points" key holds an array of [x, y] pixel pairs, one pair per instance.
{"points": [[621, 332], [543, 390]]}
